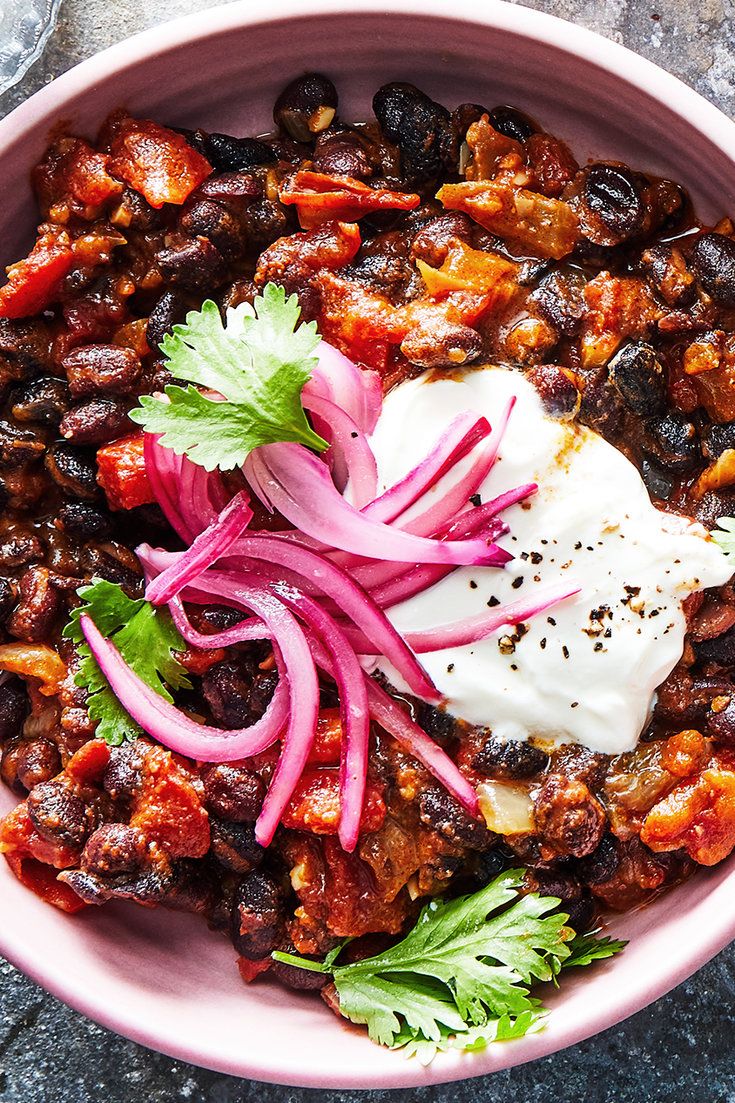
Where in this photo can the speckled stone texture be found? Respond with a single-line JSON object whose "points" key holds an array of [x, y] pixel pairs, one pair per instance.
{"points": [[681, 1049]]}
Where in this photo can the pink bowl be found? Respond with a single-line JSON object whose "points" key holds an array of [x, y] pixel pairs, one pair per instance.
{"points": [[163, 979]]}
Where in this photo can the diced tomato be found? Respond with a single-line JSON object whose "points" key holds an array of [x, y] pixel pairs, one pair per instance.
{"points": [[122, 475], [198, 661], [88, 764], [73, 177], [299, 256], [325, 749], [249, 970], [155, 161], [19, 836], [168, 810], [42, 880], [320, 198], [34, 283], [34, 660], [315, 804]]}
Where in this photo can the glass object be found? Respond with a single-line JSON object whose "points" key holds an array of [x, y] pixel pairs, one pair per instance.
{"points": [[24, 27]]}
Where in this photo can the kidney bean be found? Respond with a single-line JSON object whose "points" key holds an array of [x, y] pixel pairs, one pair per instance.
{"points": [[568, 816], [39, 607], [123, 775], [38, 761], [191, 262], [42, 401], [557, 390], [233, 792], [59, 814], [342, 154], [73, 470], [212, 220], [114, 848], [444, 345], [95, 422], [101, 369], [559, 299], [256, 918]]}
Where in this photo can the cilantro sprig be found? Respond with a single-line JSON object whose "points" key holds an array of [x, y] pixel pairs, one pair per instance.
{"points": [[462, 977], [145, 637], [259, 362], [724, 535]]}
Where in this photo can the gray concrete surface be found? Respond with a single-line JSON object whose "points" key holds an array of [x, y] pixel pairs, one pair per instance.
{"points": [[682, 1048]]}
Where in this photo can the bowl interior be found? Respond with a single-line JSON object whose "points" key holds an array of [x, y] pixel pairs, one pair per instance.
{"points": [[161, 978]]}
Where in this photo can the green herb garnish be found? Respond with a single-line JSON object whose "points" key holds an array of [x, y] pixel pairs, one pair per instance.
{"points": [[462, 977], [724, 534], [145, 637], [259, 363]]}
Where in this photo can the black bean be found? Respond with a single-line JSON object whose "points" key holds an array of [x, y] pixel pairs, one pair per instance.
{"points": [[233, 792], [511, 759], [552, 882], [667, 270], [717, 438], [257, 918], [58, 814], [39, 607], [602, 863], [234, 845], [73, 470], [18, 447], [418, 126], [228, 154], [14, 706], [615, 195], [101, 369], [637, 374], [440, 811], [306, 106], [674, 441], [602, 407], [83, 521], [219, 617], [168, 310], [438, 723], [207, 218], [113, 562], [9, 766], [713, 260], [113, 848], [38, 761], [191, 262], [559, 299], [18, 548], [96, 422], [26, 344], [659, 484], [513, 123], [42, 401], [492, 862], [8, 596], [720, 650]]}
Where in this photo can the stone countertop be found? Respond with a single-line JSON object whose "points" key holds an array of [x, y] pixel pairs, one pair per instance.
{"points": [[681, 1048]]}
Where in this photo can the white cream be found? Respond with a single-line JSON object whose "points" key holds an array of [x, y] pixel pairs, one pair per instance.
{"points": [[582, 673]]}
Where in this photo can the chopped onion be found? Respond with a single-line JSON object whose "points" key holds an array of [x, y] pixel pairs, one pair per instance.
{"points": [[298, 485], [506, 807], [163, 468]]}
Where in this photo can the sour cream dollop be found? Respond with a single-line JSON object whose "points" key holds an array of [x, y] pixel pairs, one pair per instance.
{"points": [[586, 671]]}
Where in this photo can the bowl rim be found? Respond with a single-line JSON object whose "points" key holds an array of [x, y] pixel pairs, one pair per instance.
{"points": [[44, 107]]}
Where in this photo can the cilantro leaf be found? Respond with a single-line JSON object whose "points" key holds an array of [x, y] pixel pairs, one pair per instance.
{"points": [[724, 534], [259, 362], [462, 977], [586, 948], [145, 637]]}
